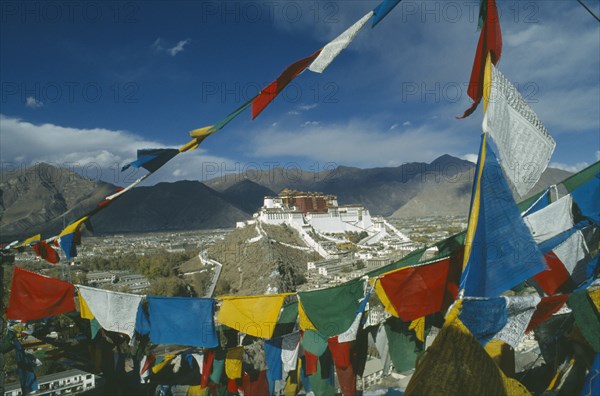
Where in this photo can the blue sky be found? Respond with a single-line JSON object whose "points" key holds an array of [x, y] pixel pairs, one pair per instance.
{"points": [[86, 84]]}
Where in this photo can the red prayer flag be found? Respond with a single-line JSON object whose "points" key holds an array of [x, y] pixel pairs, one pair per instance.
{"points": [[311, 361], [422, 290], [490, 41], [45, 251], [269, 93], [260, 387], [207, 363], [545, 309], [555, 277], [34, 296], [347, 380], [340, 351]]}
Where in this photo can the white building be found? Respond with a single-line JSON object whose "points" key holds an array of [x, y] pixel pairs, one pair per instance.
{"points": [[70, 381]]}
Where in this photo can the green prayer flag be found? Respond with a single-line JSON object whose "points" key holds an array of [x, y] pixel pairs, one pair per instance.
{"points": [[94, 327], [582, 177], [586, 317], [314, 342], [320, 385], [404, 347], [287, 320], [333, 310]]}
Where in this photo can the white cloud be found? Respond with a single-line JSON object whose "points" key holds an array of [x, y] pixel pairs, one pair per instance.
{"points": [[293, 112], [569, 167], [161, 45], [101, 151], [394, 126], [406, 123], [33, 102], [306, 107], [354, 143], [470, 157], [178, 47], [310, 123]]}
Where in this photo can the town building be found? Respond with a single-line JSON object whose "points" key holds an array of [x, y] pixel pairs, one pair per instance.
{"points": [[66, 382]]}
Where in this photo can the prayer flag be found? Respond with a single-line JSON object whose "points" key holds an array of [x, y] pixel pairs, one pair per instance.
{"points": [[114, 311], [499, 249], [554, 219], [178, 320], [382, 10], [524, 145], [233, 362], [269, 93], [456, 364], [34, 296], [333, 310], [253, 315], [152, 159], [484, 317], [46, 252], [587, 316], [490, 42], [421, 290], [545, 309], [337, 45]]}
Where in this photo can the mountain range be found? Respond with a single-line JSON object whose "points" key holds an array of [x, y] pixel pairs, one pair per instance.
{"points": [[44, 198]]}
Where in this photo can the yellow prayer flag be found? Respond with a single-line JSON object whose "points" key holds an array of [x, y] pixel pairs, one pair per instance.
{"points": [[35, 238], [487, 82], [456, 363], [196, 390], [200, 132], [595, 297], [305, 323], [387, 304], [233, 362], [74, 226], [418, 325], [253, 315], [162, 364], [84, 309]]}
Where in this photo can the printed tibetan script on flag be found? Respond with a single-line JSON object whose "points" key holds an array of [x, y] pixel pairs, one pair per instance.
{"points": [[524, 145]]}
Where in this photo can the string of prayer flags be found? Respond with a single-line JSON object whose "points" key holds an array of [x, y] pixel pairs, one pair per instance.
{"points": [[350, 334], [269, 93], [490, 42], [152, 159], [178, 320], [337, 45], [253, 315], [314, 342], [418, 291], [209, 130], [333, 310], [114, 311], [524, 145], [34, 296], [381, 11], [499, 249]]}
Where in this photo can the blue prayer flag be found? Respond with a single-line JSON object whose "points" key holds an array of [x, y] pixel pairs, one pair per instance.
{"points": [[178, 320], [502, 252], [484, 317], [382, 10]]}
